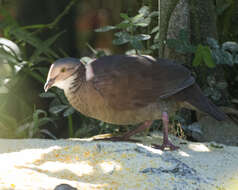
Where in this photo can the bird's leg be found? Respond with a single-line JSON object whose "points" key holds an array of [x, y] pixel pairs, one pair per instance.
{"points": [[141, 128], [126, 136], [166, 141]]}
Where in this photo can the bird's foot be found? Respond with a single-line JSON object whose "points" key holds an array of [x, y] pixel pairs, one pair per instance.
{"points": [[165, 145], [116, 139]]}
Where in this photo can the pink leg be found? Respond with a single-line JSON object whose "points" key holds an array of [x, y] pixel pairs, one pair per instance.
{"points": [[166, 142], [127, 135]]}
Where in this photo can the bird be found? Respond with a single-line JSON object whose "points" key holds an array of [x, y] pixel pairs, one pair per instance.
{"points": [[130, 89]]}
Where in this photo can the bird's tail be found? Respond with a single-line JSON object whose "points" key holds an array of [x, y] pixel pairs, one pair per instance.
{"points": [[194, 96]]}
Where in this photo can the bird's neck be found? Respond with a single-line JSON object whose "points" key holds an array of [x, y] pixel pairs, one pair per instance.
{"points": [[72, 83], [66, 84]]}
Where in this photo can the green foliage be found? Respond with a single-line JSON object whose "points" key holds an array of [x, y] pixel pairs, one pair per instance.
{"points": [[226, 54], [17, 65], [211, 54], [32, 127], [134, 30], [214, 87], [59, 103], [203, 54]]}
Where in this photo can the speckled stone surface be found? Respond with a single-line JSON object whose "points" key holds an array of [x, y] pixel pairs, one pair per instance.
{"points": [[44, 164]]}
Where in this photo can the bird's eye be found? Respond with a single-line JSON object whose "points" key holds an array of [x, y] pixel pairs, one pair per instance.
{"points": [[63, 70]]}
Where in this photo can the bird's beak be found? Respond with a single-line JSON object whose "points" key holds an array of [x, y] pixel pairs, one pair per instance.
{"points": [[49, 83]]}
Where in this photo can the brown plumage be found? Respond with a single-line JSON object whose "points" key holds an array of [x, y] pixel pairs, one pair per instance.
{"points": [[123, 89]]}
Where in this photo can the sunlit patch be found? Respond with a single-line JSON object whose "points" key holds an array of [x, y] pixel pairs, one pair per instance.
{"points": [[199, 147], [109, 167], [156, 151], [182, 153], [26, 156], [232, 184], [80, 168]]}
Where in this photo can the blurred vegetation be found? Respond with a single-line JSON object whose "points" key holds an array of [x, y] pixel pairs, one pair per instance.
{"points": [[26, 51]]}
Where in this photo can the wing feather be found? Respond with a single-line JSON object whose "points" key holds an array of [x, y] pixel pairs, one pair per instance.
{"points": [[130, 82]]}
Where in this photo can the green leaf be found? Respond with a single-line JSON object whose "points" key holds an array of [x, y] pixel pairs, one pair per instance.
{"points": [[137, 18], [155, 46], [207, 57], [142, 37], [69, 111], [45, 47], [156, 38], [25, 36], [212, 43], [221, 85], [137, 44], [120, 41], [122, 38], [105, 29], [231, 47], [47, 95], [57, 109], [155, 29], [236, 59], [124, 16], [131, 52], [143, 23], [47, 132], [203, 53], [35, 26], [124, 24], [86, 60], [226, 58], [145, 10], [44, 120], [154, 13], [198, 56], [35, 75], [42, 70]]}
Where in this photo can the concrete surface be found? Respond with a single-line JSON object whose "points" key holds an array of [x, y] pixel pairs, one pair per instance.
{"points": [[43, 164]]}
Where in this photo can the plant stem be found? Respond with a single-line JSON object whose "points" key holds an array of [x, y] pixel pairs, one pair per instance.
{"points": [[159, 21], [70, 126], [55, 22]]}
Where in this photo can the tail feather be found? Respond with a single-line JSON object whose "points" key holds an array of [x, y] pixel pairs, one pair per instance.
{"points": [[194, 96]]}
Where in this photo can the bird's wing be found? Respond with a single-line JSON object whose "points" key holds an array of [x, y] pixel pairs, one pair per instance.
{"points": [[130, 82]]}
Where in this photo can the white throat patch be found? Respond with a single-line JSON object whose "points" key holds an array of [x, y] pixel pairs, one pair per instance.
{"points": [[65, 84]]}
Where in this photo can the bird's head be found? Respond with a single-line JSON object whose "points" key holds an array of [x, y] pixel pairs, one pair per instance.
{"points": [[62, 73]]}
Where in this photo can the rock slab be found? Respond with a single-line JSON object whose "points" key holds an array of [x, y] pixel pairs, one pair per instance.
{"points": [[44, 164]]}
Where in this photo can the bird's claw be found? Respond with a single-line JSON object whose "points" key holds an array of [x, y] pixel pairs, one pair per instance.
{"points": [[165, 145]]}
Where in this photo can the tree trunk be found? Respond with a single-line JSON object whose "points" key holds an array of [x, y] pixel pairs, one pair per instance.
{"points": [[179, 20], [165, 8], [203, 25]]}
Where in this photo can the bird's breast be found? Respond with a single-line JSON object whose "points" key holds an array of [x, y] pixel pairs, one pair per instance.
{"points": [[88, 101]]}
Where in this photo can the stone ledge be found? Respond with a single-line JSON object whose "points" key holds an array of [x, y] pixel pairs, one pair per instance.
{"points": [[44, 164]]}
